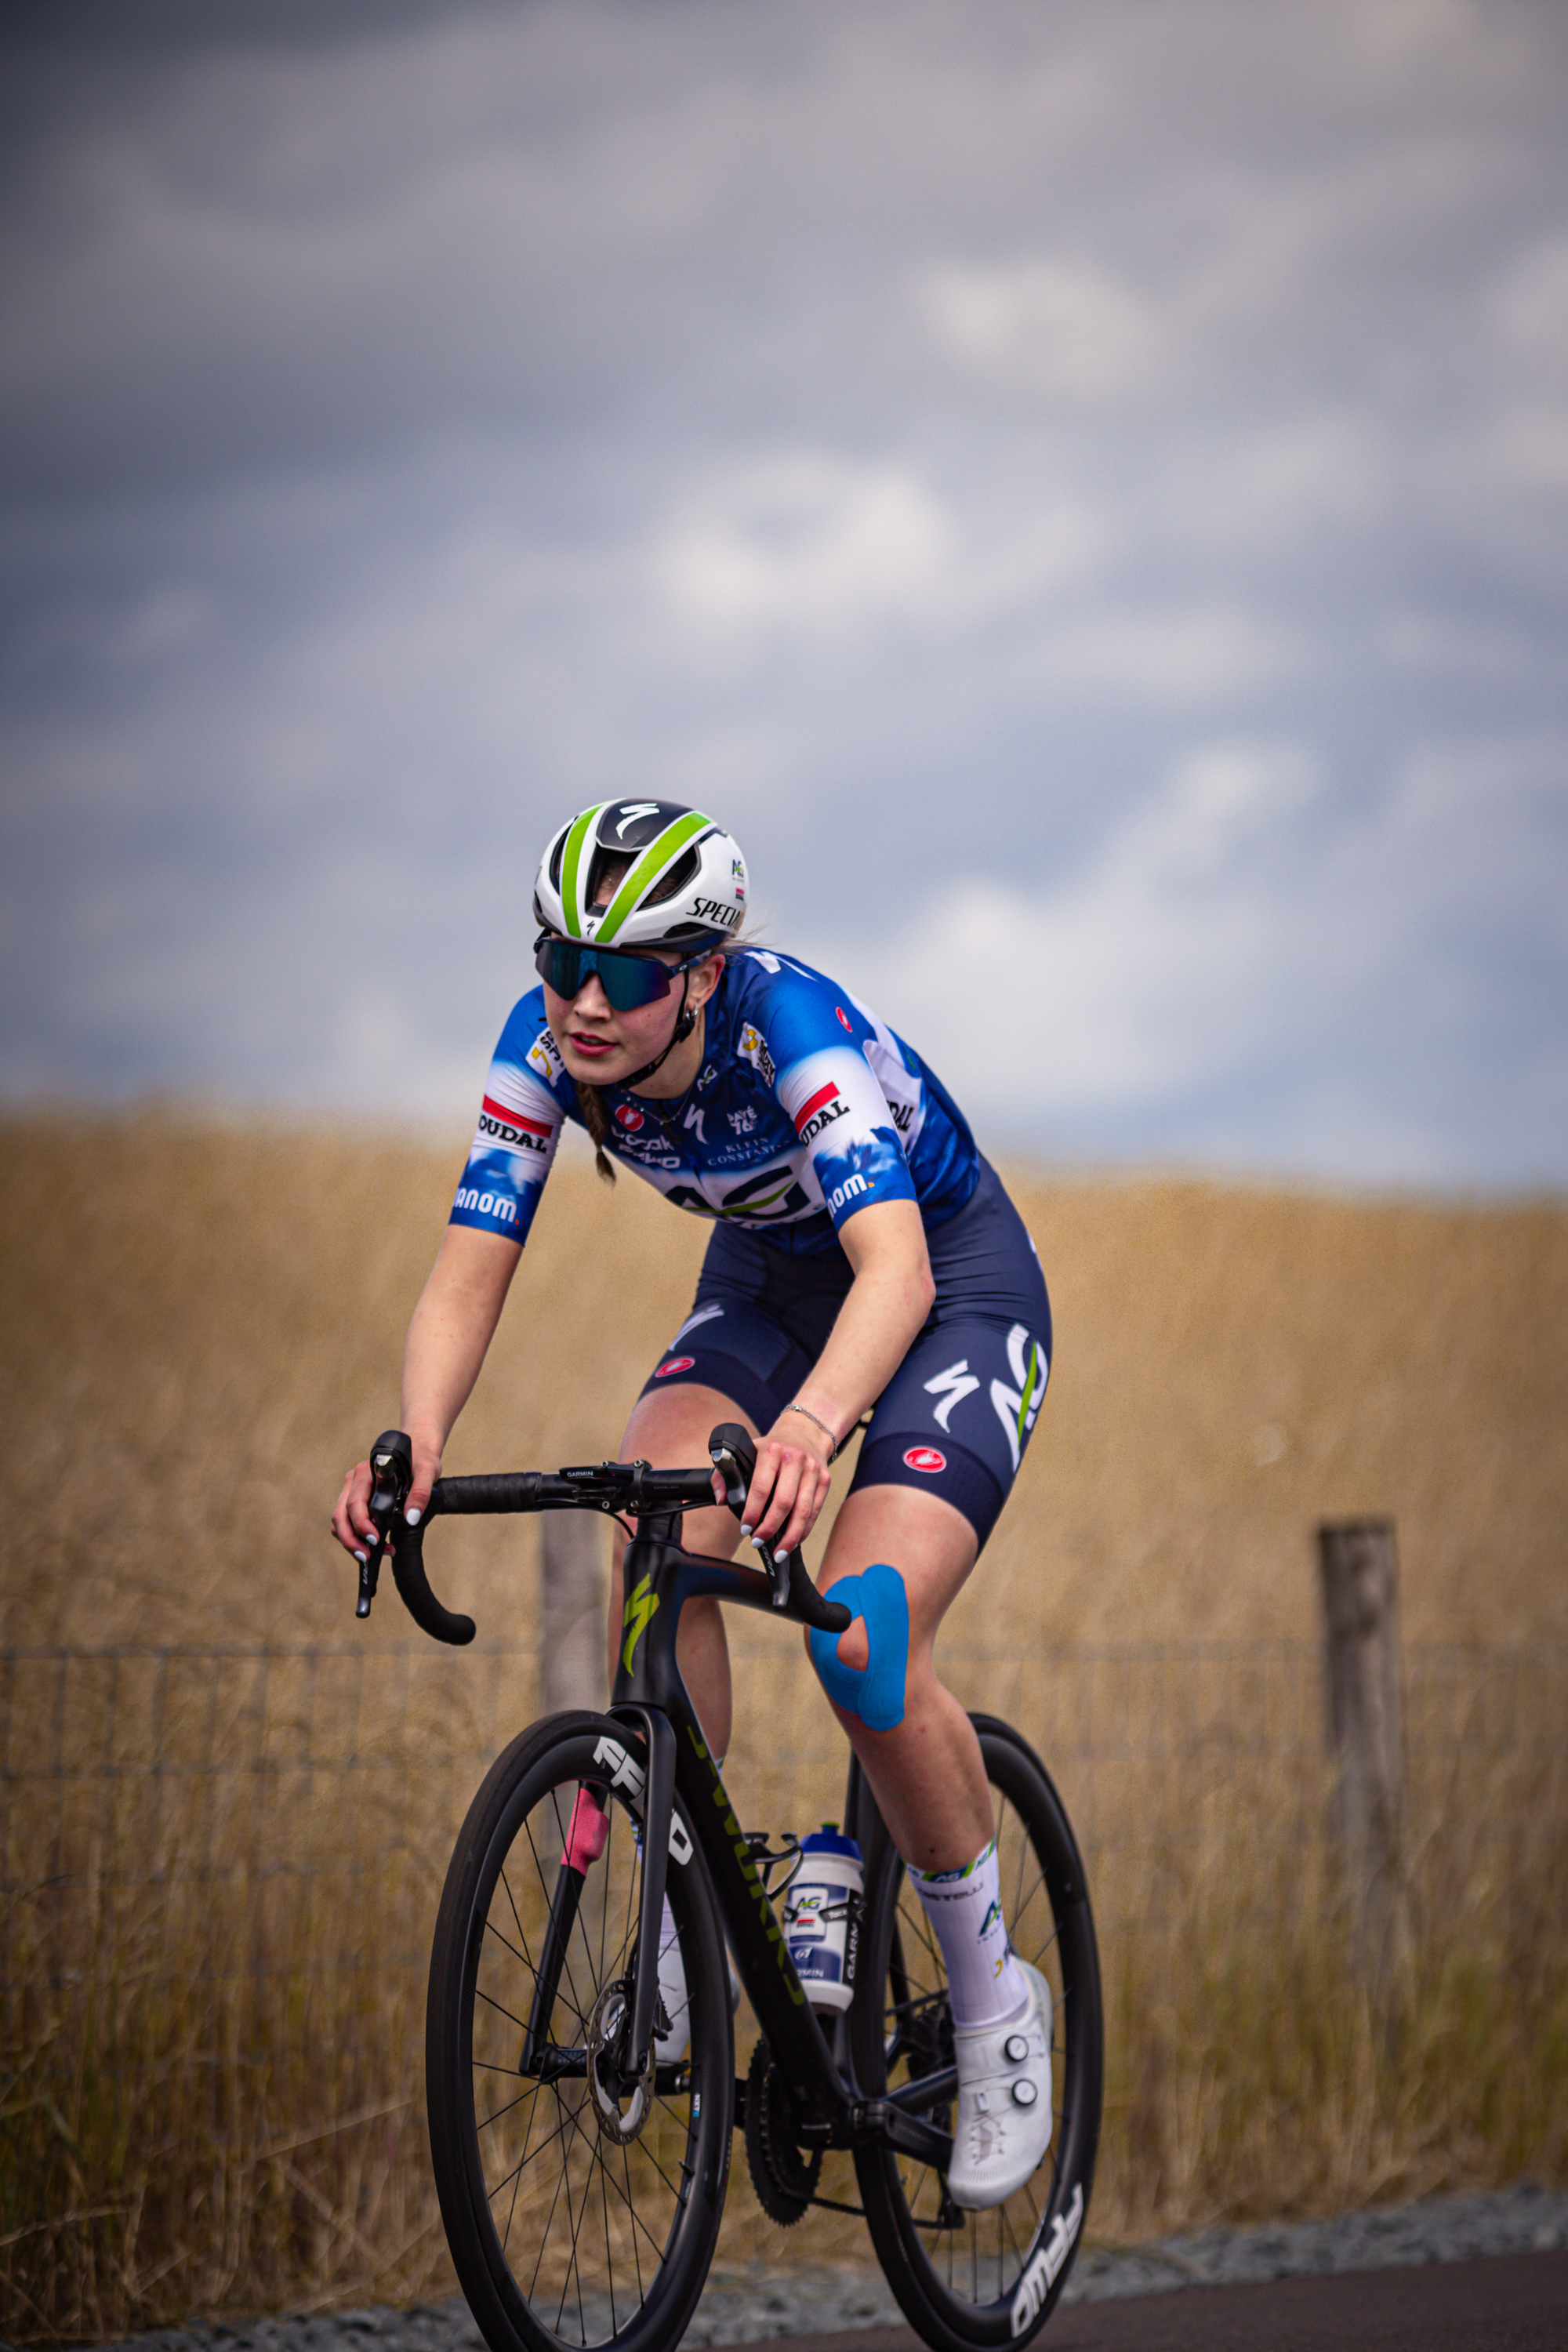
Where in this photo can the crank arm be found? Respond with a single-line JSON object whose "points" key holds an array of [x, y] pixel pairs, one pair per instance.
{"points": [[925, 2092], [879, 2119]]}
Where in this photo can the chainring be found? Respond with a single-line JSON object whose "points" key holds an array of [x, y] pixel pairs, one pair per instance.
{"points": [[783, 2174]]}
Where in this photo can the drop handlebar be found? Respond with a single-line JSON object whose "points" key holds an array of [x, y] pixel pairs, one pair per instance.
{"points": [[634, 1487]]}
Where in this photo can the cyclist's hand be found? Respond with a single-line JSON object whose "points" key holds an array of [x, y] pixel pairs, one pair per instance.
{"points": [[791, 1482], [352, 1523]]}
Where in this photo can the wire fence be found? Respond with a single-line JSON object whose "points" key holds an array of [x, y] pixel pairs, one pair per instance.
{"points": [[164, 1771], [219, 1870]]}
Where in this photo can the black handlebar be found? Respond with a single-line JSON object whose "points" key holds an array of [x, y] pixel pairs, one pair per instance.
{"points": [[614, 1486]]}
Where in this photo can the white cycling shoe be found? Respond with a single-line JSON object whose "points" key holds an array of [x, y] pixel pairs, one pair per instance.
{"points": [[1004, 2123]]}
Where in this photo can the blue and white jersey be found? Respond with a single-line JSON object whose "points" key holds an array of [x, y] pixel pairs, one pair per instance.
{"points": [[806, 1110]]}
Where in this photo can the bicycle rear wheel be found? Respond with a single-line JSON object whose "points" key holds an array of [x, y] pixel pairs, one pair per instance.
{"points": [[967, 2279], [577, 2214]]}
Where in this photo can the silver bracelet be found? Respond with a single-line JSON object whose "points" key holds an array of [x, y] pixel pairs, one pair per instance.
{"points": [[822, 1425]]}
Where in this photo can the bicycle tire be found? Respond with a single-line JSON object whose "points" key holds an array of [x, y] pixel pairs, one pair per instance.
{"points": [[562, 2236], [967, 2279]]}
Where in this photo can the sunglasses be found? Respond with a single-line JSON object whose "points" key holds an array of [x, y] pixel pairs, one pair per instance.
{"points": [[628, 979]]}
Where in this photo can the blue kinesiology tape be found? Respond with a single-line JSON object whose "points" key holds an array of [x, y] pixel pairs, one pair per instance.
{"points": [[875, 1692]]}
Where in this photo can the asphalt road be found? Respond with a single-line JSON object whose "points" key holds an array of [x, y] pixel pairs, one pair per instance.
{"points": [[1508, 2302]]}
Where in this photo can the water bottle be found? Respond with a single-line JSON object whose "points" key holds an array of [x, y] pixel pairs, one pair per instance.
{"points": [[821, 1917]]}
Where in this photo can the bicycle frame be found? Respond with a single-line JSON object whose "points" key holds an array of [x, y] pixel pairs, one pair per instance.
{"points": [[650, 1695]]}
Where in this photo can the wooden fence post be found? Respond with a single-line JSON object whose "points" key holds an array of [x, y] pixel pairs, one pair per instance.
{"points": [[1361, 1603], [577, 1592]]}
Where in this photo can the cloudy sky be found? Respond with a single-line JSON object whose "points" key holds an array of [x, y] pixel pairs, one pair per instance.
{"points": [[1080, 489]]}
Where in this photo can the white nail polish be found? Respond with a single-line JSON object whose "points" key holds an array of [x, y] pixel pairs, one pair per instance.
{"points": [[413, 1518], [362, 1557], [745, 1530]]}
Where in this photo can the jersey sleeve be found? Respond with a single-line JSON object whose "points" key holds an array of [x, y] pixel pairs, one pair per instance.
{"points": [[830, 1094], [519, 1127]]}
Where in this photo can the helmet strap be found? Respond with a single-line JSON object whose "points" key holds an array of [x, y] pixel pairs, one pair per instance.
{"points": [[686, 1022]]}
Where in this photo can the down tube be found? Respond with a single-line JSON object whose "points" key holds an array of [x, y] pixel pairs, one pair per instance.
{"points": [[776, 1992]]}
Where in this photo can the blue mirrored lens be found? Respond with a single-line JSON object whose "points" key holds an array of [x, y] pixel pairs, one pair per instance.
{"points": [[627, 981]]}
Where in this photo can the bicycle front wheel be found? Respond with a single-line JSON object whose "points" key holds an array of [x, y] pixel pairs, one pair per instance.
{"points": [[968, 2279], [579, 2210]]}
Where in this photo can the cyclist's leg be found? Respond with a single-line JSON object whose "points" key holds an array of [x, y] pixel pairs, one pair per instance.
{"points": [[973, 2279], [945, 1444], [927, 1772]]}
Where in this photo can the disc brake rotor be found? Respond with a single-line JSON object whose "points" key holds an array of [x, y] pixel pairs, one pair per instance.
{"points": [[621, 2113]]}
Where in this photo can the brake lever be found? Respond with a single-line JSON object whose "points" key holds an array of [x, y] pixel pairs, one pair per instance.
{"points": [[391, 1474], [733, 1455], [721, 1453]]}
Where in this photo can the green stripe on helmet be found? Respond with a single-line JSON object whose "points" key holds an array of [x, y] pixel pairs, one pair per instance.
{"points": [[571, 866], [654, 861]]}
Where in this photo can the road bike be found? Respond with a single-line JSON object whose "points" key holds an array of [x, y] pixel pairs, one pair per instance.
{"points": [[580, 2133]]}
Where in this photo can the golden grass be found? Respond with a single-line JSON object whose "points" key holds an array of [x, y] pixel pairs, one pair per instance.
{"points": [[222, 1870]]}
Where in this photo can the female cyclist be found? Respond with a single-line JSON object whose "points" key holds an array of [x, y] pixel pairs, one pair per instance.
{"points": [[865, 1258]]}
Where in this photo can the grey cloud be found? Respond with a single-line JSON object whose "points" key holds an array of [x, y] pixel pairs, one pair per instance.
{"points": [[922, 434]]}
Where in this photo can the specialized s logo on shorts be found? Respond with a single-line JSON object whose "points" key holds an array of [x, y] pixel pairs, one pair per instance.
{"points": [[1017, 1408]]}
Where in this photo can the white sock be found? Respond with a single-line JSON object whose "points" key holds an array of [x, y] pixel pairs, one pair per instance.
{"points": [[984, 1983]]}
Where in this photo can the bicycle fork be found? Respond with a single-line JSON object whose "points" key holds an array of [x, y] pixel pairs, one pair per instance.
{"points": [[586, 1836]]}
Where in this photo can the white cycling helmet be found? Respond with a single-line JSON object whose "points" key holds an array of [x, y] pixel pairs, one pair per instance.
{"points": [[682, 881]]}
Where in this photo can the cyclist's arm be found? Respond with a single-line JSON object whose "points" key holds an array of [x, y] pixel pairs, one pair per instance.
{"points": [[450, 1330], [887, 1303]]}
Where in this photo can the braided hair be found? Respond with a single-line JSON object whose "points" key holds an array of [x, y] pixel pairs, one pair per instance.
{"points": [[591, 1103]]}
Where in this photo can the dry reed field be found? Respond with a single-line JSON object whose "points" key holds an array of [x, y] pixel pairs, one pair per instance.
{"points": [[227, 1807]]}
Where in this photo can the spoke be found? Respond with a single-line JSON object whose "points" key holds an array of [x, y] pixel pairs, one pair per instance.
{"points": [[625, 2196], [527, 2138], [500, 2007], [576, 2273], [659, 2168], [484, 2124], [528, 2157], [506, 1943], [512, 2209], [517, 1920], [544, 2233], [609, 2257], [636, 2250]]}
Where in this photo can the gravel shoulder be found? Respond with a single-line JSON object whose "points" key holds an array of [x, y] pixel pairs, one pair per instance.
{"points": [[748, 2306]]}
